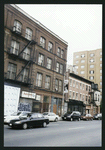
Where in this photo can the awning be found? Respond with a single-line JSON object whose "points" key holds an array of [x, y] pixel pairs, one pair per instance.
{"points": [[76, 102]]}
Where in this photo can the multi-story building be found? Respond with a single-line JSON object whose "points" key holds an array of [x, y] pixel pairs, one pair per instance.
{"points": [[34, 64], [82, 94], [89, 65]]}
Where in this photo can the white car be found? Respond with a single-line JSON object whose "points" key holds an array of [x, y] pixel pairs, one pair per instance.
{"points": [[51, 116], [16, 115]]}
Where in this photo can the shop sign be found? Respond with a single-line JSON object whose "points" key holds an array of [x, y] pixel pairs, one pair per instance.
{"points": [[24, 107], [38, 97], [28, 95]]}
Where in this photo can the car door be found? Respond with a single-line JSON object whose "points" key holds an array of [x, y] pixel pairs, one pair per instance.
{"points": [[74, 116], [40, 119], [51, 116], [33, 120]]}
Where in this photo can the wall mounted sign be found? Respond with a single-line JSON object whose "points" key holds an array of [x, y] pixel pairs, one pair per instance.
{"points": [[28, 95]]}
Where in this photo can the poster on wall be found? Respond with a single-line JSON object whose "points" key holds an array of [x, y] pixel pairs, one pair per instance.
{"points": [[11, 99], [24, 107]]}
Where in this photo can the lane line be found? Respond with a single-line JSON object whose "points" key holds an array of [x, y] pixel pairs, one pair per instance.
{"points": [[76, 128]]}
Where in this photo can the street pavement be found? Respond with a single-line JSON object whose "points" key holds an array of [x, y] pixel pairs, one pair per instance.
{"points": [[56, 134]]}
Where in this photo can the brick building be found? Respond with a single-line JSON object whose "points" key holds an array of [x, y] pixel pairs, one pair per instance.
{"points": [[34, 64]]}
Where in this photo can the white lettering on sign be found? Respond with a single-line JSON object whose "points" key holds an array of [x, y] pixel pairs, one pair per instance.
{"points": [[28, 94]]}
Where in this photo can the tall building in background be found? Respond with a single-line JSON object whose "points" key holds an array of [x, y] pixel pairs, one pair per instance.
{"points": [[89, 65]]}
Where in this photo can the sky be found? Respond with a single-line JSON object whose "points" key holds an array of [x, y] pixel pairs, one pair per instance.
{"points": [[80, 25]]}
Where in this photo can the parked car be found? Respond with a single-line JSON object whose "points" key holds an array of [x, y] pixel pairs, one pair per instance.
{"points": [[16, 115], [75, 115], [98, 116], [51, 116], [87, 117], [33, 120]]}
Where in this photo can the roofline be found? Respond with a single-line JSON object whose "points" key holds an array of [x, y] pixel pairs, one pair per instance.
{"points": [[36, 21]]}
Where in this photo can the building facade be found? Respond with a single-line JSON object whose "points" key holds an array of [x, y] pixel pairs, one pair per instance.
{"points": [[82, 95], [89, 65], [34, 64]]}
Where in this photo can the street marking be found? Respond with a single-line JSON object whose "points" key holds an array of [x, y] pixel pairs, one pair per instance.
{"points": [[76, 128]]}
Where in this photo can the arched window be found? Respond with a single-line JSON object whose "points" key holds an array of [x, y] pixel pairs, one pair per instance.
{"points": [[17, 26]]}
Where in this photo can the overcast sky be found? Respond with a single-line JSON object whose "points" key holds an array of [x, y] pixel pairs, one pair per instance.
{"points": [[79, 25]]}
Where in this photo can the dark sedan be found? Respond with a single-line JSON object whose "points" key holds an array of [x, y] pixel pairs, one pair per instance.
{"points": [[34, 119]]}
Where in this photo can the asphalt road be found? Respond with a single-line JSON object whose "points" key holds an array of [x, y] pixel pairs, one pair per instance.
{"points": [[56, 134]]}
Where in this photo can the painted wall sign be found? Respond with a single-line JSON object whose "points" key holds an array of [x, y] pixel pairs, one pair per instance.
{"points": [[28, 95], [24, 107]]}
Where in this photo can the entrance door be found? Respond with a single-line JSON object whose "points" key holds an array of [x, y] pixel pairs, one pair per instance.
{"points": [[55, 108]]}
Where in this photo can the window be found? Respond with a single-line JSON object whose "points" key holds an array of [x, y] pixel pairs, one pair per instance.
{"points": [[39, 80], [100, 59], [76, 67], [76, 84], [91, 71], [77, 61], [91, 60], [73, 83], [61, 68], [86, 99], [91, 66], [100, 83], [80, 96], [86, 88], [47, 82], [101, 71], [91, 77], [58, 52], [60, 86], [50, 47], [82, 66], [42, 42], [17, 26], [83, 97], [83, 55], [56, 85], [82, 61], [83, 86], [100, 90], [89, 89], [89, 98], [80, 85], [57, 67], [62, 53], [82, 72], [70, 82], [11, 71], [70, 94], [49, 63], [24, 75], [91, 55], [100, 53], [73, 95], [26, 53], [100, 77], [14, 47], [100, 65], [77, 96], [77, 56], [28, 34], [41, 59]]}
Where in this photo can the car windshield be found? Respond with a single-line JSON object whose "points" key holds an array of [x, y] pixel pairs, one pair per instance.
{"points": [[45, 113], [16, 114]]}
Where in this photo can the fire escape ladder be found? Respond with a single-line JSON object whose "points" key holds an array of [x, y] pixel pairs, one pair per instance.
{"points": [[26, 47], [23, 69]]}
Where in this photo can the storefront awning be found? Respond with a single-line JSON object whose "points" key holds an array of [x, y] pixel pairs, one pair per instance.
{"points": [[76, 102]]}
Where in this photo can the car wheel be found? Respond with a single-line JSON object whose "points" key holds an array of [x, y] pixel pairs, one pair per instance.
{"points": [[25, 126], [78, 119], [44, 124], [56, 119], [71, 119]]}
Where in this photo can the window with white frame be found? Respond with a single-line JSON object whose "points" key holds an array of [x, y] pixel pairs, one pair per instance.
{"points": [[61, 68], [70, 94], [70, 82], [62, 53], [91, 60], [57, 67], [100, 59], [82, 66], [100, 83], [73, 83], [101, 71], [83, 97], [77, 62], [49, 63], [83, 55], [41, 59], [28, 34], [14, 47], [73, 95], [89, 88], [50, 46], [76, 67], [11, 73], [86, 88], [58, 51], [76, 84], [39, 80], [77, 96], [91, 66], [100, 65], [24, 75], [26, 53], [60, 86], [42, 41], [77, 56], [82, 72], [82, 61], [92, 54], [17, 26], [100, 53], [91, 77], [100, 90], [47, 82], [56, 85], [80, 85], [100, 77], [80, 97], [91, 72]]}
